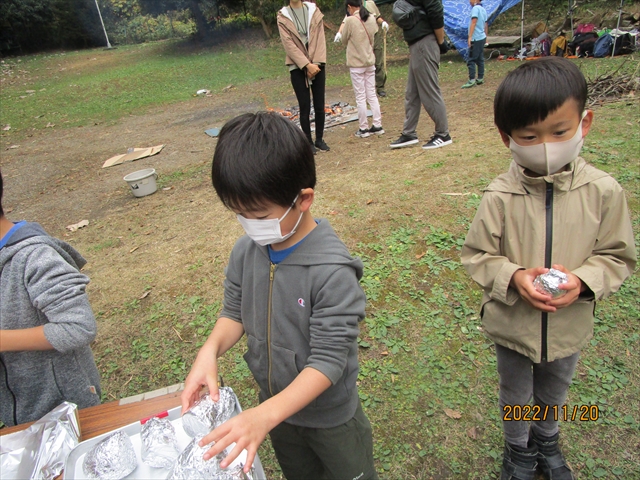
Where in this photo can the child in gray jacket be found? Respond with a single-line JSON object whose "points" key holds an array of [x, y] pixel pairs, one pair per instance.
{"points": [[293, 288], [46, 324]]}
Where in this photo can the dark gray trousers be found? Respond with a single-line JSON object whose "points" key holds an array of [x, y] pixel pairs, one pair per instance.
{"points": [[423, 87], [520, 380]]}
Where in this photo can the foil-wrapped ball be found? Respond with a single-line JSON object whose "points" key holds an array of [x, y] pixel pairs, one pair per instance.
{"points": [[206, 414], [548, 283], [191, 465], [112, 458], [159, 443]]}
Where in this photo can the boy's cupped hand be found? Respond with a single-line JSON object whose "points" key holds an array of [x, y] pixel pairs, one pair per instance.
{"points": [[573, 287], [247, 430], [522, 281]]}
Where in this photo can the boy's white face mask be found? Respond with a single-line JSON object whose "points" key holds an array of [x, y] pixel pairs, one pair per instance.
{"points": [[549, 157], [267, 231]]}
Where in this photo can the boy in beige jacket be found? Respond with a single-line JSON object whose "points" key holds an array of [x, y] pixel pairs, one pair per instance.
{"points": [[550, 210]]}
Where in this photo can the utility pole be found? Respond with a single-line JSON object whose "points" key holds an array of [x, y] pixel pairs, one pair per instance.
{"points": [[103, 29]]}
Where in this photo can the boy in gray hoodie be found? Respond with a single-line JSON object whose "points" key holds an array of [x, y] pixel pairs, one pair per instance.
{"points": [[293, 288], [46, 324]]}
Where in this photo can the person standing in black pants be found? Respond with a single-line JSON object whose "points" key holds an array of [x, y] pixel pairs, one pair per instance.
{"points": [[301, 30]]}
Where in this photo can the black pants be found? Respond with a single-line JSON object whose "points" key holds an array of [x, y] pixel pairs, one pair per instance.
{"points": [[300, 86]]}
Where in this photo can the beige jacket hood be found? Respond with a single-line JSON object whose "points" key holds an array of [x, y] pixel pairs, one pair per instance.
{"points": [[591, 236], [297, 53]]}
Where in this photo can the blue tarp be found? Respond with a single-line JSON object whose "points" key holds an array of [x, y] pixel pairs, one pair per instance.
{"points": [[457, 17]]}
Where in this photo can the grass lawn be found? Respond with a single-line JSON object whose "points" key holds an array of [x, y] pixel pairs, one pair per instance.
{"points": [[428, 379]]}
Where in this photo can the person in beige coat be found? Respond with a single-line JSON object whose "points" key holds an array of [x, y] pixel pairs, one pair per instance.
{"points": [[358, 31], [301, 28], [550, 210]]}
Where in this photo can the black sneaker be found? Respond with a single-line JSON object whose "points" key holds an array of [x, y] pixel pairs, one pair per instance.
{"points": [[519, 463], [376, 130], [550, 458], [382, 93], [438, 141], [404, 141], [322, 145], [314, 149], [362, 133]]}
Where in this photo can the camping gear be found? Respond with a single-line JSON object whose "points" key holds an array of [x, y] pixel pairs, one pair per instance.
{"points": [[142, 182]]}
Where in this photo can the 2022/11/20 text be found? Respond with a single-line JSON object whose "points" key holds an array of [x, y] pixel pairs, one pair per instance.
{"points": [[537, 413]]}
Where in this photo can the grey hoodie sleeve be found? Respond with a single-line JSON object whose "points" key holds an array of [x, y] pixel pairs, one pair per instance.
{"points": [[339, 306], [57, 289]]}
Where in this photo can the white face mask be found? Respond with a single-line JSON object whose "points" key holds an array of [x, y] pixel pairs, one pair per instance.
{"points": [[549, 157], [267, 231]]}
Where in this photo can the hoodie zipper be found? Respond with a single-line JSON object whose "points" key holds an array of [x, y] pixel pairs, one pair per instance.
{"points": [[272, 270], [548, 204]]}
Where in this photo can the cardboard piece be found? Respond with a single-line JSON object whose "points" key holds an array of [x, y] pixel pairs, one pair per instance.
{"points": [[132, 155]]}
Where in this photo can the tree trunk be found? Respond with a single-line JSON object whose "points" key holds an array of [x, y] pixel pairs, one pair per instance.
{"points": [[265, 27], [201, 22]]}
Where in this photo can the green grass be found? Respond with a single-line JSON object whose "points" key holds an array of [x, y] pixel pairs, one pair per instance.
{"points": [[97, 86]]}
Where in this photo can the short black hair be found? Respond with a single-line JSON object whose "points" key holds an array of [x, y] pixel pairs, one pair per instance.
{"points": [[1, 190], [535, 89], [261, 158]]}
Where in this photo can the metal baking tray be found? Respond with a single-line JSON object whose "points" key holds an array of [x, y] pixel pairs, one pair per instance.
{"points": [[73, 466]]}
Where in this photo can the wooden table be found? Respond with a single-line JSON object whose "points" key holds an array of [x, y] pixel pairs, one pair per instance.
{"points": [[103, 418]]}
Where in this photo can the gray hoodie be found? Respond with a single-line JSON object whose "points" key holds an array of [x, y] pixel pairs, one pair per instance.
{"points": [[302, 312], [40, 284]]}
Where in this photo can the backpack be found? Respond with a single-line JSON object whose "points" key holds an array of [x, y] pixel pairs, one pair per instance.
{"points": [[584, 28], [602, 47], [405, 15]]}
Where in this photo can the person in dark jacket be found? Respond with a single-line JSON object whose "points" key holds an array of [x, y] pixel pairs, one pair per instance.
{"points": [[292, 287], [426, 43], [46, 324]]}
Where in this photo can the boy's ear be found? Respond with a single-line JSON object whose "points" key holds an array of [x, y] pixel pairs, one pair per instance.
{"points": [[587, 121], [505, 138], [306, 199]]}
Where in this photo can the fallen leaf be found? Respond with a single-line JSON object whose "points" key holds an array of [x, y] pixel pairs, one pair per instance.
{"points": [[76, 226], [333, 212], [134, 249], [369, 202], [50, 125], [472, 433], [167, 188], [144, 295], [452, 413], [23, 96], [6, 128], [384, 354], [420, 255]]}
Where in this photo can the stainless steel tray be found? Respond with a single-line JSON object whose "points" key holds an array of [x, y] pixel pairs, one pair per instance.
{"points": [[73, 466]]}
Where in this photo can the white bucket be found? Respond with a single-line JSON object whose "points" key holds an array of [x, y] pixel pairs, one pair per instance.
{"points": [[142, 182]]}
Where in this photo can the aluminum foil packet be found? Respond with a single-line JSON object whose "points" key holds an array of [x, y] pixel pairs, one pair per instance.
{"points": [[159, 443], [112, 458], [549, 282], [205, 415], [40, 451], [191, 465]]}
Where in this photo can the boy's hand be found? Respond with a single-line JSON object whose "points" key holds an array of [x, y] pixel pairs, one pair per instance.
{"points": [[522, 281], [247, 430], [204, 373], [573, 286]]}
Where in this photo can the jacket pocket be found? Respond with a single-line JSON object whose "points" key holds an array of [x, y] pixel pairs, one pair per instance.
{"points": [[283, 368], [74, 382], [256, 358]]}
